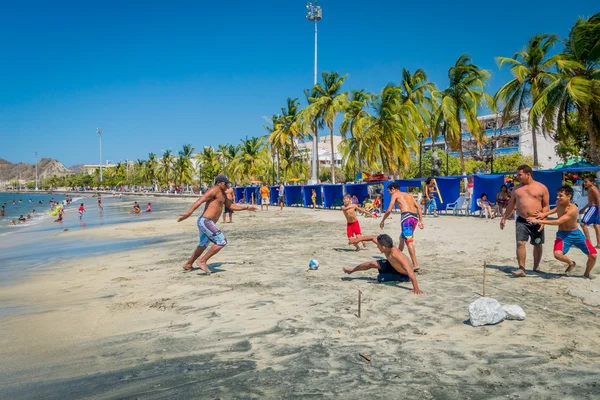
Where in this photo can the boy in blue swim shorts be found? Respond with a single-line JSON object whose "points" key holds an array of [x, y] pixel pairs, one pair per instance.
{"points": [[568, 234]]}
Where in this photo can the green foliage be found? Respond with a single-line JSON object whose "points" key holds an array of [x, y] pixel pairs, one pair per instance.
{"points": [[509, 162]]}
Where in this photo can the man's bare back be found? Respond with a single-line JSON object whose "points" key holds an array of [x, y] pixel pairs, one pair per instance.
{"points": [[406, 202], [230, 194], [593, 196], [399, 261]]}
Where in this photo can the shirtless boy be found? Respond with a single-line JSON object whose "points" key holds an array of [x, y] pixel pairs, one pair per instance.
{"points": [[230, 194], [410, 216], [396, 266], [214, 198], [527, 198], [352, 226], [567, 235], [591, 216]]}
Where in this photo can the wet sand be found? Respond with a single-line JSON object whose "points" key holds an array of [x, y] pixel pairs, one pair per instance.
{"points": [[133, 325]]}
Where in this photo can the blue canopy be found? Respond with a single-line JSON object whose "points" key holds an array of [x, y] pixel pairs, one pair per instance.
{"points": [[273, 194], [333, 195], [449, 187], [293, 195], [239, 193], [553, 179], [488, 184], [307, 195], [252, 191], [404, 185], [361, 190]]}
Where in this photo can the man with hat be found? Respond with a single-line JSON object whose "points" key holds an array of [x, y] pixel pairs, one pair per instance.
{"points": [[215, 198]]}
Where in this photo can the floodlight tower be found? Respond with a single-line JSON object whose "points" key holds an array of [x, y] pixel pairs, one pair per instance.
{"points": [[99, 131], [314, 14]]}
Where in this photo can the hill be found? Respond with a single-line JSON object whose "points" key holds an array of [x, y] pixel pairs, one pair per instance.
{"points": [[47, 167]]}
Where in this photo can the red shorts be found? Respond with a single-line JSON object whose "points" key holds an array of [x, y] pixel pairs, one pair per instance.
{"points": [[353, 228]]}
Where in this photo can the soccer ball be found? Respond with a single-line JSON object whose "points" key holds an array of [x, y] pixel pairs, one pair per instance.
{"points": [[313, 264]]}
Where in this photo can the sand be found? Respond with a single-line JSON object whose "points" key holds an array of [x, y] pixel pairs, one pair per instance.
{"points": [[133, 325]]}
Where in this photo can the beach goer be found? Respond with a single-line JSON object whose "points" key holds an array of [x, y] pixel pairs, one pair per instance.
{"points": [[33, 211], [230, 194], [281, 196], [215, 199], [13, 222], [264, 196], [2, 211], [591, 216], [502, 198], [149, 207], [313, 198], [395, 267], [352, 224], [487, 205], [22, 219], [81, 210], [568, 234], [354, 199], [411, 216], [527, 198], [136, 208], [100, 201], [430, 194], [28, 216]]}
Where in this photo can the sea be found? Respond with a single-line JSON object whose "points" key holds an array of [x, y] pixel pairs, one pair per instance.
{"points": [[36, 245]]}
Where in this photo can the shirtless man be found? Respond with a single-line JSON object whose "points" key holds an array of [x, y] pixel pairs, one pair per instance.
{"points": [[591, 217], [230, 194], [410, 216], [214, 198], [396, 266], [567, 235], [352, 224], [528, 198]]}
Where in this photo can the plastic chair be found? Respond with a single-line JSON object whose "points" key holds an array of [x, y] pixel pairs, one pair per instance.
{"points": [[458, 206]]}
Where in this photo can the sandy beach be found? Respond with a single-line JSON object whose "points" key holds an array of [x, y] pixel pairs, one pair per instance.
{"points": [[132, 325]]}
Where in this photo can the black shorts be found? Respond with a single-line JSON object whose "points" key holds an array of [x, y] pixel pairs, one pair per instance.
{"points": [[388, 273], [528, 231], [281, 199]]}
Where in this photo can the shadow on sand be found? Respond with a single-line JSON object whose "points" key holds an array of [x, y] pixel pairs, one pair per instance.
{"points": [[530, 273]]}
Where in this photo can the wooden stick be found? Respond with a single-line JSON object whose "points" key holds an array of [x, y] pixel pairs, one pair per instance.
{"points": [[366, 357], [484, 276], [359, 299], [438, 191]]}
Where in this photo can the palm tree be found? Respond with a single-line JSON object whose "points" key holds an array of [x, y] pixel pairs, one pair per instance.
{"points": [[183, 168], [209, 164], [165, 168], [150, 169], [463, 96], [415, 89], [252, 158], [576, 85], [286, 129], [530, 68], [138, 169], [356, 121], [326, 101]]}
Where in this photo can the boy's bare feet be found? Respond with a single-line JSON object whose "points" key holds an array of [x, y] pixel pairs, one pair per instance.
{"points": [[347, 270], [203, 266], [519, 273], [188, 267], [570, 267], [588, 276]]}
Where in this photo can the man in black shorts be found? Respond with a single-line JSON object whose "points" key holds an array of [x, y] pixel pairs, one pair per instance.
{"points": [[529, 198], [396, 267]]}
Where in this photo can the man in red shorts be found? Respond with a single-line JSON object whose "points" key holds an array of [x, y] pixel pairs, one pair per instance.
{"points": [[349, 210]]}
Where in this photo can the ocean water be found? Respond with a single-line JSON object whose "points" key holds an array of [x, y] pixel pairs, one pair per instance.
{"points": [[36, 244]]}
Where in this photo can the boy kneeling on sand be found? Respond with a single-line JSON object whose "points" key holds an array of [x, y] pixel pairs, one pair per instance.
{"points": [[568, 233]]}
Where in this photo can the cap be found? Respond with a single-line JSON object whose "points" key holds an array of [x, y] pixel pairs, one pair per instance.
{"points": [[221, 178]]}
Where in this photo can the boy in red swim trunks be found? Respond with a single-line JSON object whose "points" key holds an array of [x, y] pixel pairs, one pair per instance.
{"points": [[568, 233], [349, 210]]}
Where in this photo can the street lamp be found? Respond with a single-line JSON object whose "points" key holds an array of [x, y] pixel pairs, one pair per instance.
{"points": [[420, 154], [314, 14], [99, 131], [445, 147], [35, 153]]}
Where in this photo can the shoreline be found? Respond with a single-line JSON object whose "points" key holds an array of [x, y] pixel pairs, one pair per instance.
{"points": [[131, 324]]}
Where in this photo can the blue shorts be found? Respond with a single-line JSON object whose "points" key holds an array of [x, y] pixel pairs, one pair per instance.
{"points": [[590, 217], [566, 239], [210, 232]]}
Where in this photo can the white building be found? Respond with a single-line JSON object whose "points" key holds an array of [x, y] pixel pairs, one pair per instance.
{"points": [[323, 150], [514, 137]]}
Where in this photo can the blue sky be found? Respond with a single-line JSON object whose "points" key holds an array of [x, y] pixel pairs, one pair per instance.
{"points": [[155, 75]]}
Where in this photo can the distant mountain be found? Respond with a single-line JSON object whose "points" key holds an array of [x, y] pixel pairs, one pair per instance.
{"points": [[76, 168], [47, 167]]}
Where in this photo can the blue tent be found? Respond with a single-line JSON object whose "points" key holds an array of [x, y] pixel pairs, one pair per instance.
{"points": [[293, 195], [553, 179], [488, 184], [361, 190], [273, 194], [252, 191], [449, 187], [307, 195], [333, 195], [239, 193]]}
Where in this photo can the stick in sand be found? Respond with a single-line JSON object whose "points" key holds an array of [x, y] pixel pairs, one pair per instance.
{"points": [[484, 268], [359, 293]]}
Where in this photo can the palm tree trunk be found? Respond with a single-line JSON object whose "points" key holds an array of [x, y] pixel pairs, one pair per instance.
{"points": [[316, 138], [292, 159], [593, 152], [534, 145], [278, 167], [332, 156]]}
